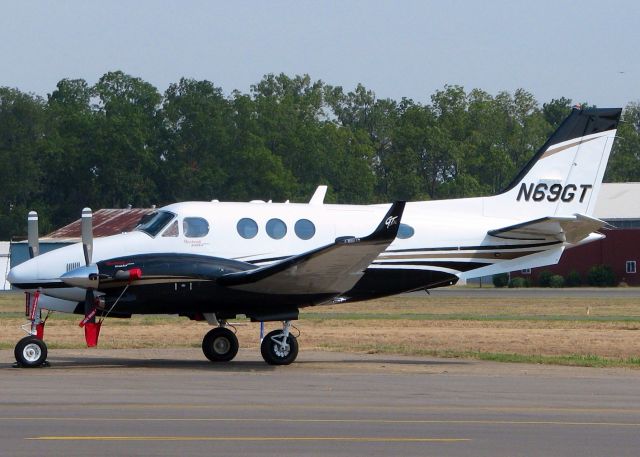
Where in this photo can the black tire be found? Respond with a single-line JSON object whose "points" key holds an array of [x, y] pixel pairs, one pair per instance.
{"points": [[220, 345], [30, 352], [271, 352]]}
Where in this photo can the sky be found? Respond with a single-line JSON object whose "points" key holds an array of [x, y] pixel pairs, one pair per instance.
{"points": [[584, 50]]}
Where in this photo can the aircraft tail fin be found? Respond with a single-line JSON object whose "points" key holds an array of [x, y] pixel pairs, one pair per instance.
{"points": [[565, 175]]}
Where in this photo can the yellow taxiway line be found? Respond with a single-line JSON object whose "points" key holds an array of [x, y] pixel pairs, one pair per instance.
{"points": [[352, 439]]}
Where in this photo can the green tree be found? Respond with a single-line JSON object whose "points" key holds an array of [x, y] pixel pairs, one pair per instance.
{"points": [[624, 165], [556, 111], [197, 137], [126, 141], [69, 151], [22, 128]]}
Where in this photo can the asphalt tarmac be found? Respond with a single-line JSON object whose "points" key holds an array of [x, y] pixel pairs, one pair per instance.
{"points": [[172, 402]]}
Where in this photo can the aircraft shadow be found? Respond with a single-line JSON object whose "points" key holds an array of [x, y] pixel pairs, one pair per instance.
{"points": [[82, 363]]}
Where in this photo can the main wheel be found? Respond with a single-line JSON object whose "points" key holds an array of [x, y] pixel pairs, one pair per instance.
{"points": [[30, 352], [272, 351], [220, 345]]}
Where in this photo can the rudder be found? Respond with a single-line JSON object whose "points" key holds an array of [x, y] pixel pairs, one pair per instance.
{"points": [[565, 175]]}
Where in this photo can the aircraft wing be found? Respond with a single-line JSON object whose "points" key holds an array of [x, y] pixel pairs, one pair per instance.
{"points": [[571, 229], [332, 269]]}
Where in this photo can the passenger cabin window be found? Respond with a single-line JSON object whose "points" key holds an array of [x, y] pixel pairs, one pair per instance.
{"points": [[405, 231], [153, 223], [195, 227], [247, 228], [172, 231], [305, 229], [276, 229]]}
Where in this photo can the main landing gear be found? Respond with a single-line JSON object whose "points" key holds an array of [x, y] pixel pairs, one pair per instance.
{"points": [[220, 344], [278, 347]]}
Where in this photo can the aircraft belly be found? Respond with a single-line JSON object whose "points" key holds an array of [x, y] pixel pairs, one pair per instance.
{"points": [[201, 297], [381, 282]]}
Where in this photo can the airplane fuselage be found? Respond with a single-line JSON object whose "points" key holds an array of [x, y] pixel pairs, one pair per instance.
{"points": [[438, 242]]}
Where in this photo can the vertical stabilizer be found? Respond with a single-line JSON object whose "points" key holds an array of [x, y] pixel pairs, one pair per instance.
{"points": [[565, 175]]}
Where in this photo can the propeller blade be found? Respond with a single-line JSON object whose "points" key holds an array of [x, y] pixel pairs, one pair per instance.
{"points": [[89, 306], [32, 234], [87, 235]]}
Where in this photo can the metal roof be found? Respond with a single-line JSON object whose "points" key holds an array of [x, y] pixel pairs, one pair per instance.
{"points": [[618, 201], [105, 222]]}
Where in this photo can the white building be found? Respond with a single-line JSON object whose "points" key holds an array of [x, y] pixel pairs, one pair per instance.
{"points": [[4, 265]]}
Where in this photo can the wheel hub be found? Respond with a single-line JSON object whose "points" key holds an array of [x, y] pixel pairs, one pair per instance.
{"points": [[281, 348], [31, 352], [221, 345]]}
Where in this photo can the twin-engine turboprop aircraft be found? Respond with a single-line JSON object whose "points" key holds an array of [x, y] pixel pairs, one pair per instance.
{"points": [[214, 261]]}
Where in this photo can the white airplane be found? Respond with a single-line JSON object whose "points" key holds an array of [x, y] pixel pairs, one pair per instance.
{"points": [[214, 261]]}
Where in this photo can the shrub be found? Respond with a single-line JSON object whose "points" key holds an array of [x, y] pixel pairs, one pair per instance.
{"points": [[544, 277], [601, 276], [574, 279], [518, 282], [556, 281], [501, 279]]}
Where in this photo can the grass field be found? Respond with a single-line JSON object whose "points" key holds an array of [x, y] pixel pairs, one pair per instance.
{"points": [[555, 330]]}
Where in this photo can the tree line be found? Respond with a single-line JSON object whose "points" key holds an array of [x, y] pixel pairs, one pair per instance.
{"points": [[121, 142]]}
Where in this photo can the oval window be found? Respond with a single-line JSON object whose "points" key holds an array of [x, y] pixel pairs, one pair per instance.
{"points": [[305, 229], [405, 231], [247, 228], [276, 229], [195, 227]]}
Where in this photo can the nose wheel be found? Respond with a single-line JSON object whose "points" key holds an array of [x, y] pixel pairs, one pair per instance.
{"points": [[220, 345], [30, 352]]}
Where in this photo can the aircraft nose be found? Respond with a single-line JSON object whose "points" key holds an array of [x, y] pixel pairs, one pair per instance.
{"points": [[11, 277], [24, 275]]}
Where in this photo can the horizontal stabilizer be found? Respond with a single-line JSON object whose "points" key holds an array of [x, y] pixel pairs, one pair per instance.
{"points": [[570, 229], [332, 269]]}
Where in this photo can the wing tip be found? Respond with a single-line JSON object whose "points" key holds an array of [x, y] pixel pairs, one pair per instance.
{"points": [[388, 227]]}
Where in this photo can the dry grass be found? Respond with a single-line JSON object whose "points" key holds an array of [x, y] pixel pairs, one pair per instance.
{"points": [[559, 326]]}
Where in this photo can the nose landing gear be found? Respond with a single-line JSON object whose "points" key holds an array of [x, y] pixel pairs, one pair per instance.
{"points": [[30, 352]]}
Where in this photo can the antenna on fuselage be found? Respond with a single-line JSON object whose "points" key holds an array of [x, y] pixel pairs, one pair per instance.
{"points": [[318, 196]]}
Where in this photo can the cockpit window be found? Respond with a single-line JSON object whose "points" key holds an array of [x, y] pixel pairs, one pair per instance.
{"points": [[153, 223], [172, 231], [195, 227]]}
